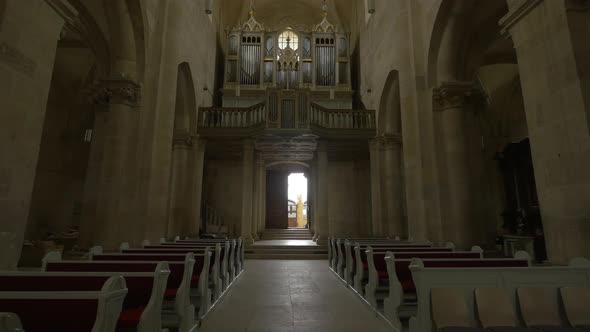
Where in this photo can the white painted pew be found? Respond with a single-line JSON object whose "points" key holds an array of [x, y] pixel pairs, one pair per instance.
{"points": [[10, 322], [469, 279], [108, 308], [180, 313]]}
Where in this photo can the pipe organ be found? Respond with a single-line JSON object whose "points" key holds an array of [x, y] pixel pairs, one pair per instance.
{"points": [[317, 59]]}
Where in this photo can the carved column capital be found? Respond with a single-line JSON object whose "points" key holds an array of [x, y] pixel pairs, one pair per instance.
{"points": [[388, 140], [182, 140], [456, 95], [117, 90]]}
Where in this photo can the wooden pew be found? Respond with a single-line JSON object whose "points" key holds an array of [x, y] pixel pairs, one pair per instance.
{"points": [[470, 278], [336, 246], [345, 263], [142, 307], [239, 254], [48, 304], [361, 263], [226, 268], [218, 273], [9, 322], [179, 311]]}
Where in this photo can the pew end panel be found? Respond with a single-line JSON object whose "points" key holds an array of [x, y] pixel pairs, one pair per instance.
{"points": [[469, 279], [10, 322]]}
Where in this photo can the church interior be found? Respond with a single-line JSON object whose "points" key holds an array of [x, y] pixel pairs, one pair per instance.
{"points": [[294, 165]]}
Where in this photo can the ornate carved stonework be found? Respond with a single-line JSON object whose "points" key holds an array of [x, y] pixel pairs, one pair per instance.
{"points": [[299, 148], [456, 95], [116, 91], [183, 140], [388, 140]]}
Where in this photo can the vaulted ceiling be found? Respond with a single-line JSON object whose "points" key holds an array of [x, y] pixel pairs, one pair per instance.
{"points": [[278, 14]]}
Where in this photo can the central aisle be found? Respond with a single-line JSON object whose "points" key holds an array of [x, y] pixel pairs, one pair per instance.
{"points": [[290, 296]]}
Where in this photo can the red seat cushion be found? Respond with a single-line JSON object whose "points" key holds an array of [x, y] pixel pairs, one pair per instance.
{"points": [[383, 275], [195, 280], [408, 285], [170, 293], [366, 265], [130, 317]]}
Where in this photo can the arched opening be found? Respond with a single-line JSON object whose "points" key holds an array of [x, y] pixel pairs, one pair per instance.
{"points": [[478, 113], [61, 171], [391, 191], [183, 217]]}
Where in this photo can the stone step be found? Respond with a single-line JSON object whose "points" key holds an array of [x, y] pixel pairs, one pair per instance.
{"points": [[287, 256]]}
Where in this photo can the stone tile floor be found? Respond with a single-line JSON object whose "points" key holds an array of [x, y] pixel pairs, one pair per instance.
{"points": [[285, 243], [290, 296]]}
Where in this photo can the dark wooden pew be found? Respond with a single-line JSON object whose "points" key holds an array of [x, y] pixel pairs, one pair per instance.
{"points": [[65, 304], [359, 263], [179, 311]]}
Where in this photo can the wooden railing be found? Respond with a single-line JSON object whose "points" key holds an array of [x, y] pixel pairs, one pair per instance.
{"points": [[223, 117], [342, 119]]}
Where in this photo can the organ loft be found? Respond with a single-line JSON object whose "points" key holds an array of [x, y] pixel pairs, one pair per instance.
{"points": [[294, 165]]}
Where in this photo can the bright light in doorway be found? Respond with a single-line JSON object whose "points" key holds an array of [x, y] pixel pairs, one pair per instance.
{"points": [[297, 186]]}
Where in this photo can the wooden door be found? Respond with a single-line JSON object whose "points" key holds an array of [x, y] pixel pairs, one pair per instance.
{"points": [[276, 200]]}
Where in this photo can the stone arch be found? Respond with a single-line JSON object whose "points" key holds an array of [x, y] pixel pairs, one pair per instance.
{"points": [[462, 35], [389, 116], [183, 217], [186, 104], [127, 35]]}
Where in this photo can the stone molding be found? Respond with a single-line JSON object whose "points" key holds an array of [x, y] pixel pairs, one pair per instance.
{"points": [[456, 94], [516, 14], [388, 140], [182, 140], [116, 91]]}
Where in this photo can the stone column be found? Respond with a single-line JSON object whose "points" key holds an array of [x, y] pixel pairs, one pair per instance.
{"points": [[29, 31], [259, 196], [262, 200], [553, 70], [376, 211], [392, 186], [179, 210], [109, 214], [322, 217], [193, 229], [458, 159], [247, 190]]}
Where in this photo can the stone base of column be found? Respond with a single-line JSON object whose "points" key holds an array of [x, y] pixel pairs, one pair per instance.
{"points": [[314, 238], [248, 239], [255, 237], [321, 240]]}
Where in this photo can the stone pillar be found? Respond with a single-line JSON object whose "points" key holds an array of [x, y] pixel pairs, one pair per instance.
{"points": [[392, 186], [198, 164], [29, 33], [262, 199], [247, 191], [259, 196], [459, 155], [322, 218], [179, 210], [109, 213], [555, 85], [376, 211]]}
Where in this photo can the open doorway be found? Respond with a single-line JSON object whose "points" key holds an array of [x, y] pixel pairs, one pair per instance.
{"points": [[297, 200]]}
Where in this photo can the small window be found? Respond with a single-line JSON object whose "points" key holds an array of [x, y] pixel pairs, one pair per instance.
{"points": [[288, 39]]}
